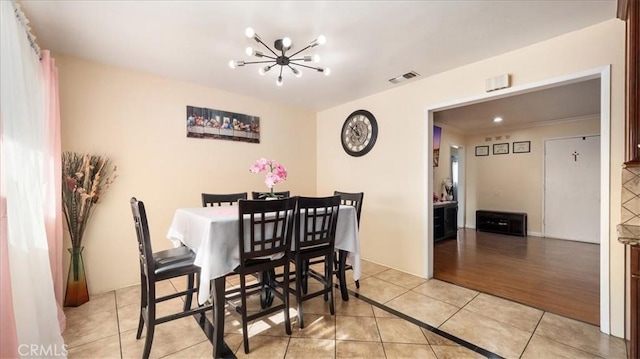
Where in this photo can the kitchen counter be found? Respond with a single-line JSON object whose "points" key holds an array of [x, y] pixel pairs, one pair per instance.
{"points": [[628, 234], [444, 203]]}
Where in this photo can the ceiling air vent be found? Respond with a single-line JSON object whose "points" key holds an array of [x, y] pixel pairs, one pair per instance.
{"points": [[407, 76]]}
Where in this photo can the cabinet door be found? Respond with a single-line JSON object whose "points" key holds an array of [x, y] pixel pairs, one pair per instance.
{"points": [[438, 223], [451, 221], [635, 323], [635, 305]]}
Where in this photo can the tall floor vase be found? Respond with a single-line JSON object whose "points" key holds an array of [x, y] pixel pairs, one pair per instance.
{"points": [[77, 292]]}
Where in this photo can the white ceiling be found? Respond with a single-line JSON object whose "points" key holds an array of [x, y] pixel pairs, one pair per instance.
{"points": [[568, 102], [368, 42]]}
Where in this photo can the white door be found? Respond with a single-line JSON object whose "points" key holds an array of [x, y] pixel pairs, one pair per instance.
{"points": [[572, 189]]}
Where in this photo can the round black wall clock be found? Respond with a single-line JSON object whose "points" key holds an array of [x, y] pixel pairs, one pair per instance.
{"points": [[359, 133]]}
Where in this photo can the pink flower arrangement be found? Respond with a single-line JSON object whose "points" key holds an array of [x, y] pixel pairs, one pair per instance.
{"points": [[276, 173]]}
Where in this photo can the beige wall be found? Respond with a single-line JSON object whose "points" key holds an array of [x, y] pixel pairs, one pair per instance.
{"points": [[393, 174], [514, 182], [139, 121]]}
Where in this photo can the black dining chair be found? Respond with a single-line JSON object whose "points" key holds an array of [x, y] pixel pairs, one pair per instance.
{"points": [[315, 234], [155, 267], [355, 200], [265, 232], [263, 195], [212, 199]]}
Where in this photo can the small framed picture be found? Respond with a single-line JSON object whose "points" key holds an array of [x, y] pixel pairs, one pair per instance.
{"points": [[500, 148], [482, 150], [522, 147]]}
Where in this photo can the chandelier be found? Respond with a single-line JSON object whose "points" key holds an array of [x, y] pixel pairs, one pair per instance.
{"points": [[281, 58]]}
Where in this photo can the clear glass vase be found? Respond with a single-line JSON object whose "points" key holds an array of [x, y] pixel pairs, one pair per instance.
{"points": [[77, 292]]}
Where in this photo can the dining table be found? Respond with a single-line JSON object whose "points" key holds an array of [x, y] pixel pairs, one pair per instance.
{"points": [[213, 235]]}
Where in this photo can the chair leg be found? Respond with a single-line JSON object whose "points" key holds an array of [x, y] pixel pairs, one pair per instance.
{"points": [[285, 293], [187, 301], [151, 321], [328, 272], [243, 309], [299, 281], [305, 276], [148, 340], [143, 303], [329, 283], [358, 284]]}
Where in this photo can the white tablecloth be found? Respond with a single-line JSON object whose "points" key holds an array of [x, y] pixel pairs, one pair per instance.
{"points": [[212, 233]]}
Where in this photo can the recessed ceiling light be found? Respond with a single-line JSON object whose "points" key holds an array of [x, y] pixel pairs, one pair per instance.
{"points": [[497, 119]]}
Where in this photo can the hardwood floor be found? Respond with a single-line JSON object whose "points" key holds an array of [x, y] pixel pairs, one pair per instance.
{"points": [[554, 275]]}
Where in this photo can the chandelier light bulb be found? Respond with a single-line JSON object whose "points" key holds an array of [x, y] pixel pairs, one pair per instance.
{"points": [[279, 81], [264, 70], [296, 72], [326, 71], [286, 42], [322, 40], [249, 51], [249, 32], [316, 58], [232, 64]]}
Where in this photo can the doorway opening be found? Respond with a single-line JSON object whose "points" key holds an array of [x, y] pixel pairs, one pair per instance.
{"points": [[458, 180], [603, 75]]}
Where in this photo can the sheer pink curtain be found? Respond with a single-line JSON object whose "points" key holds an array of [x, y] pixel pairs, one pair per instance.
{"points": [[52, 215], [29, 306], [53, 177]]}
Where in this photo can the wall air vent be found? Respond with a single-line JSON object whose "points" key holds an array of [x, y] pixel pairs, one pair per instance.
{"points": [[407, 76]]}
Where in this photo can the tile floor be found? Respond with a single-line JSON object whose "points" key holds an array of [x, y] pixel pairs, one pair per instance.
{"points": [[372, 326]]}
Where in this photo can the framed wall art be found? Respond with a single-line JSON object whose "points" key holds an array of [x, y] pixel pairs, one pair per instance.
{"points": [[482, 150], [223, 125], [522, 147], [500, 148], [437, 134]]}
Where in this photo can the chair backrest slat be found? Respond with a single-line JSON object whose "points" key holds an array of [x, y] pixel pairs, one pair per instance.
{"points": [[263, 195], [265, 227], [316, 220], [352, 199], [144, 239], [213, 199]]}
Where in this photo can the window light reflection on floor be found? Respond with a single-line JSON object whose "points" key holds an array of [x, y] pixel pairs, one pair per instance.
{"points": [[272, 321]]}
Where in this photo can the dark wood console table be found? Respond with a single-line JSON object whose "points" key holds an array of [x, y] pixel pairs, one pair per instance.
{"points": [[513, 223]]}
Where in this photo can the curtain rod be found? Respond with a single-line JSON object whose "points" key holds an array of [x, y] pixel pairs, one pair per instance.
{"points": [[24, 21]]}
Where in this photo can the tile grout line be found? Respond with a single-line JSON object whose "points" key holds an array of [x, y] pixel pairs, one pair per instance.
{"points": [[442, 333], [380, 334], [459, 309], [553, 340], [118, 321], [532, 334]]}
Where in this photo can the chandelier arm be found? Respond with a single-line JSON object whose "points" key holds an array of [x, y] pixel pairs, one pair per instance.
{"points": [[269, 57], [308, 46], [268, 48], [309, 67], [280, 71], [258, 62]]}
